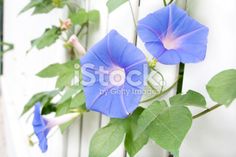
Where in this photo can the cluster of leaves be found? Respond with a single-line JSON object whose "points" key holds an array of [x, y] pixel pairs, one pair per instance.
{"points": [[44, 6], [82, 17], [67, 88], [166, 124], [79, 17]]}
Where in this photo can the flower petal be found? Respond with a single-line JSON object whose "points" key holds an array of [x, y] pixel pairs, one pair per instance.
{"points": [[170, 57], [171, 30], [43, 144], [156, 48], [113, 53], [111, 104], [40, 129]]}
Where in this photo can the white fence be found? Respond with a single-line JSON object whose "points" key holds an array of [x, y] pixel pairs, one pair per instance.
{"points": [[213, 135]]}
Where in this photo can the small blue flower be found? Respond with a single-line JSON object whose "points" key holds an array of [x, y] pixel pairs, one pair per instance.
{"points": [[40, 128], [172, 36], [116, 70]]}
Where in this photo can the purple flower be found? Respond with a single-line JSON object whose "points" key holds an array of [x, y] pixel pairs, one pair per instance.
{"points": [[113, 71], [172, 36], [40, 128], [42, 125]]}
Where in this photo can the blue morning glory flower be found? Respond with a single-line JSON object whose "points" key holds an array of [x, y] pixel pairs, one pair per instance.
{"points": [[114, 73], [42, 125], [40, 128], [172, 36]]}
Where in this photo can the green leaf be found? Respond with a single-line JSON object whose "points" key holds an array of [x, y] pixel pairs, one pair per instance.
{"points": [[148, 116], [30, 5], [73, 90], [60, 3], [191, 98], [175, 153], [48, 108], [93, 16], [114, 4], [44, 7], [64, 80], [57, 69], [222, 87], [133, 146], [49, 37], [78, 100], [62, 109], [65, 72], [170, 127], [52, 70], [106, 140], [43, 97], [70, 65], [80, 17]]}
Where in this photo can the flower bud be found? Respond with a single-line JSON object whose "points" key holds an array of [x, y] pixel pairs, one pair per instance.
{"points": [[66, 24], [74, 41]]}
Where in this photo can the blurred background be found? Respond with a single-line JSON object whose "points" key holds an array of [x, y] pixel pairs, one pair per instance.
{"points": [[2, 140]]}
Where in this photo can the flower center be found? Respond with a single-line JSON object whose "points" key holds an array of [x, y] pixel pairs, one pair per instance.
{"points": [[170, 42], [117, 77]]}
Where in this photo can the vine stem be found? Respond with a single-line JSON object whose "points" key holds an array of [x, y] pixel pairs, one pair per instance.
{"points": [[170, 2], [32, 134], [150, 85], [165, 3], [162, 77], [207, 111], [81, 29], [133, 16], [160, 94]]}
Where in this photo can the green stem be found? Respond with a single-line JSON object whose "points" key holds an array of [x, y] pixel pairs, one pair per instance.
{"points": [[164, 2], [160, 94], [170, 2], [133, 16], [81, 29], [150, 85], [32, 134], [162, 78], [207, 111]]}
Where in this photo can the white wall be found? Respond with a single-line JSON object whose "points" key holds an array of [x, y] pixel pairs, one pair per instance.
{"points": [[215, 134], [19, 81]]}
